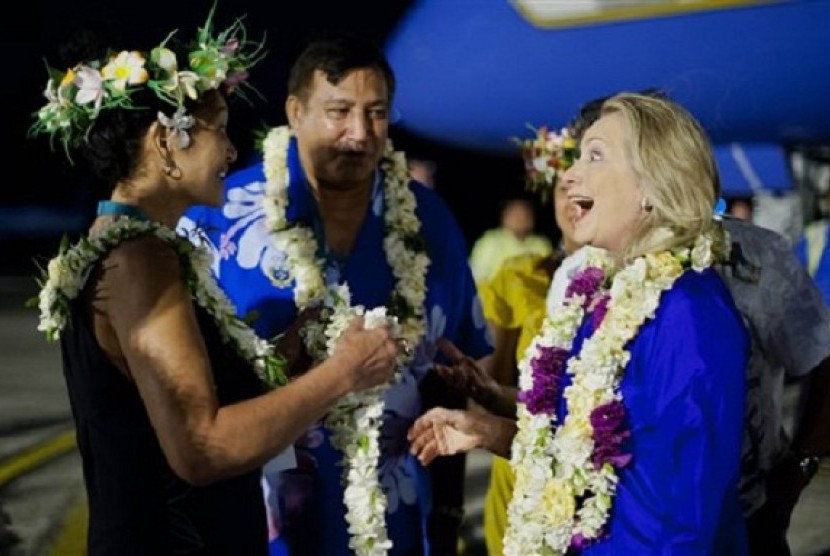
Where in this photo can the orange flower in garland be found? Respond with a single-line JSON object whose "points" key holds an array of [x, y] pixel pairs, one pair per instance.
{"points": [[546, 156]]}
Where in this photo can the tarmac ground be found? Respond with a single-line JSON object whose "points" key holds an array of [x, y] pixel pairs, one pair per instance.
{"points": [[42, 504]]}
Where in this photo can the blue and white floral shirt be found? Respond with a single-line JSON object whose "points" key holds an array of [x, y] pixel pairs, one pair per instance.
{"points": [[305, 503]]}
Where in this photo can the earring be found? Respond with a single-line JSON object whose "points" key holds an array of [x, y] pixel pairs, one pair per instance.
{"points": [[169, 168], [172, 170], [645, 205]]}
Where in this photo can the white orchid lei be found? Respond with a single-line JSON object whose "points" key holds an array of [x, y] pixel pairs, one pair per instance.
{"points": [[355, 422], [566, 473], [66, 275]]}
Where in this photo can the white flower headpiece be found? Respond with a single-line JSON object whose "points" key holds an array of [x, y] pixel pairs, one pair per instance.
{"points": [[76, 97]]}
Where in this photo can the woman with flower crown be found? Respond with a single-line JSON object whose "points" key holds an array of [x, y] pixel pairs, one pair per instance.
{"points": [[174, 397], [630, 404]]}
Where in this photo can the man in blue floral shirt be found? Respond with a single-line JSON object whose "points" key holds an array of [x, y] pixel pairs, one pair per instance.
{"points": [[332, 204]]}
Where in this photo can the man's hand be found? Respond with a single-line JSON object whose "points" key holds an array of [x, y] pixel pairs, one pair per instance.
{"points": [[290, 344], [468, 377], [464, 374]]}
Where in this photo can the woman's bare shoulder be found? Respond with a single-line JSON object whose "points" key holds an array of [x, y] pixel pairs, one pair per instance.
{"points": [[139, 267]]}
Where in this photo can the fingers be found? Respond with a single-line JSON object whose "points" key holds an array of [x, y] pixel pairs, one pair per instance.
{"points": [[423, 439], [356, 323], [427, 449], [423, 423], [449, 350], [370, 354], [427, 435], [388, 348], [450, 374], [399, 346]]}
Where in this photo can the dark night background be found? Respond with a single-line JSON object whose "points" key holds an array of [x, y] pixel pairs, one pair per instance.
{"points": [[43, 195]]}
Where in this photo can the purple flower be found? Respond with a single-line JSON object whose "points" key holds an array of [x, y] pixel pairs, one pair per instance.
{"points": [[579, 542], [547, 369], [600, 309], [608, 417], [230, 47], [611, 453], [586, 282], [607, 422], [236, 79]]}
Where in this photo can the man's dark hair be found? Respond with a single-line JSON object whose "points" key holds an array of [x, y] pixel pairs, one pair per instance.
{"points": [[336, 56]]}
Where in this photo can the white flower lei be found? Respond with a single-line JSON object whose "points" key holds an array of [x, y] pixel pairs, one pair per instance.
{"points": [[559, 494], [405, 255], [67, 273], [355, 422]]}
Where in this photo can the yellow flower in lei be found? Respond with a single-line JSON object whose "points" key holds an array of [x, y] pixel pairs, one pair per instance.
{"points": [[566, 473], [356, 420], [67, 273]]}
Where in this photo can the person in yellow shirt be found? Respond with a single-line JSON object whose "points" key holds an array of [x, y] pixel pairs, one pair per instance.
{"points": [[513, 237]]}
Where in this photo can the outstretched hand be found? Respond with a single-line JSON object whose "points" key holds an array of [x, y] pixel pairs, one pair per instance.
{"points": [[443, 432]]}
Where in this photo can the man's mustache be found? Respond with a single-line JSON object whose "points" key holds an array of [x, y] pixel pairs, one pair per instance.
{"points": [[352, 147]]}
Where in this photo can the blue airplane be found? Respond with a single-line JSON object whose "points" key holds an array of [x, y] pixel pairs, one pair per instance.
{"points": [[755, 73]]}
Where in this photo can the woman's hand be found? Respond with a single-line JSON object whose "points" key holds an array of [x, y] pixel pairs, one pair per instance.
{"points": [[444, 432], [368, 355]]}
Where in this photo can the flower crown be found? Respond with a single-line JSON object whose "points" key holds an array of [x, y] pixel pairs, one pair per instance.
{"points": [[77, 96], [546, 156]]}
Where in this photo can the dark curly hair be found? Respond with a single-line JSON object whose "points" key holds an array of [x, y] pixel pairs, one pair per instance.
{"points": [[112, 147]]}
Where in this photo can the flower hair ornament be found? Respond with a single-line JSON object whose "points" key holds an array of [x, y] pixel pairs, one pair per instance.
{"points": [[177, 126], [77, 96], [546, 156]]}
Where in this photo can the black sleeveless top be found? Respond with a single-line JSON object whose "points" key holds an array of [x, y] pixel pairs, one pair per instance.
{"points": [[137, 505]]}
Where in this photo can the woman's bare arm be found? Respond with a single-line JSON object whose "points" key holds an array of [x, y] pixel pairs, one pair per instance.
{"points": [[159, 344]]}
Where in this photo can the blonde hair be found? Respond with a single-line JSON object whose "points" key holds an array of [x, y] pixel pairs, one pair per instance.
{"points": [[672, 157]]}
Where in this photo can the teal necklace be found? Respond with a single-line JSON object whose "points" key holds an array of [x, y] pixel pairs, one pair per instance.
{"points": [[117, 208]]}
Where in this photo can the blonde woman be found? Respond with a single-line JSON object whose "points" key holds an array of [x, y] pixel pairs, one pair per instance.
{"points": [[631, 401]]}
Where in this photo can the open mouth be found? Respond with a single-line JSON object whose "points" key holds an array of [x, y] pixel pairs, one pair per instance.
{"points": [[581, 207]]}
